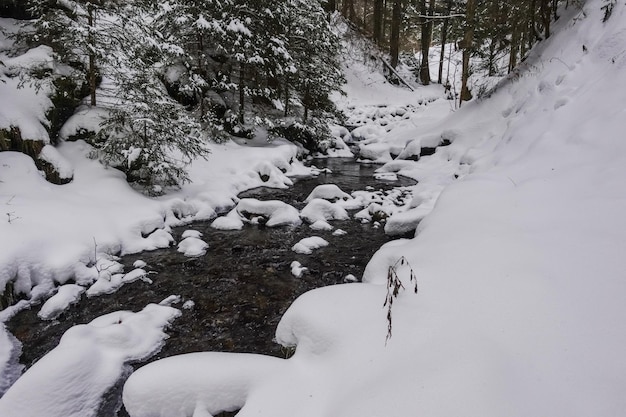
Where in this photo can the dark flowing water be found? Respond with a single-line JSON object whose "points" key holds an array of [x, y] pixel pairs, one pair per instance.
{"points": [[243, 284]]}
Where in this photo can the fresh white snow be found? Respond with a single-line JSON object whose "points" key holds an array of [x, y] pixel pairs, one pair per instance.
{"points": [[518, 255], [307, 245], [90, 358]]}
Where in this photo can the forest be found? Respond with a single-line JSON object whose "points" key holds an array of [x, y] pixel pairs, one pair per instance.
{"points": [[171, 75]]}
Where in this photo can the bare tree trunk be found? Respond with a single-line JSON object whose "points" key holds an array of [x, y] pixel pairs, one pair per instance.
{"points": [[242, 95], [384, 21], [427, 30], [444, 39], [394, 42], [377, 30], [305, 103], [514, 47], [92, 54], [468, 40], [545, 17]]}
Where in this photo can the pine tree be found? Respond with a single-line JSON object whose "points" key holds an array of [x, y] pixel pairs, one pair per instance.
{"points": [[147, 134]]}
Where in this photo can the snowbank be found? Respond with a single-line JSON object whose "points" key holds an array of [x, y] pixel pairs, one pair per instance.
{"points": [[72, 379]]}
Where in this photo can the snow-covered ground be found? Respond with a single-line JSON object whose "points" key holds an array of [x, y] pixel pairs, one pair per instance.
{"points": [[518, 255]]}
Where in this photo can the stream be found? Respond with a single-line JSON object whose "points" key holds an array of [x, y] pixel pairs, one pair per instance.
{"points": [[240, 288]]}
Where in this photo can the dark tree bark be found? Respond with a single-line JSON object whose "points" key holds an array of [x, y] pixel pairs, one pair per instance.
{"points": [[515, 39], [242, 95], [377, 30], [546, 17], [92, 55], [444, 39], [427, 30], [468, 40], [394, 42]]}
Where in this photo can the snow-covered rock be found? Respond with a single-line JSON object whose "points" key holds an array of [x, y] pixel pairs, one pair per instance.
{"points": [[330, 192], [192, 246], [297, 270], [307, 245], [318, 209], [66, 295], [73, 378], [275, 213]]}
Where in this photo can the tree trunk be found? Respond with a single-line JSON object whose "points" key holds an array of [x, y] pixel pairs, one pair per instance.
{"points": [[91, 72], [242, 95], [427, 30], [384, 21], [287, 96], [468, 39], [377, 29], [545, 17], [394, 42], [514, 47], [444, 39], [305, 102]]}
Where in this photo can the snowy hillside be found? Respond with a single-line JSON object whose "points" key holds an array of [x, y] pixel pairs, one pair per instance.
{"points": [[518, 256]]}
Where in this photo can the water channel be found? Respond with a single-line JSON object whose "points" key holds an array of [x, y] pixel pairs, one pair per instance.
{"points": [[243, 284]]}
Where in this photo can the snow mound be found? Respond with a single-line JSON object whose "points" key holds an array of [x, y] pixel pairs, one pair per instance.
{"points": [[192, 246], [90, 359], [308, 244], [272, 213], [297, 270], [232, 221], [196, 384], [321, 225], [67, 295], [330, 192], [319, 209], [109, 283]]}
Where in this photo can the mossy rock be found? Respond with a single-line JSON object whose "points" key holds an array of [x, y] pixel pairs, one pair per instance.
{"points": [[11, 140]]}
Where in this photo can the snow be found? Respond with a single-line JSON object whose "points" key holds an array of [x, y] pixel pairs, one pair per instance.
{"points": [[318, 209], [518, 252], [66, 295], [276, 213], [321, 225], [90, 358], [192, 246], [195, 384], [10, 368], [109, 282], [307, 245], [518, 263], [61, 165], [329, 192], [297, 270]]}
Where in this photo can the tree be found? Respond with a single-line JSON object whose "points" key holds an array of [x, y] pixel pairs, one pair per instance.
{"points": [[394, 41], [147, 134], [80, 32], [467, 46], [426, 20], [444, 40]]}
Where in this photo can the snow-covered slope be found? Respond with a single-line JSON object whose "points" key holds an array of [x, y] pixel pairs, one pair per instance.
{"points": [[520, 269]]}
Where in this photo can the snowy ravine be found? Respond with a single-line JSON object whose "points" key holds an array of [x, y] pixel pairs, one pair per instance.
{"points": [[519, 261], [520, 268]]}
